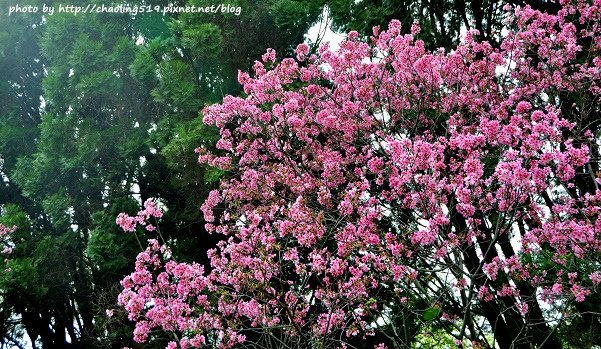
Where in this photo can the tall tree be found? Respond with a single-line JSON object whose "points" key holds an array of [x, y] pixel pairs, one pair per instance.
{"points": [[21, 73]]}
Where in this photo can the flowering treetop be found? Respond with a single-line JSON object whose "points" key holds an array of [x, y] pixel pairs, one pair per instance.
{"points": [[382, 177]]}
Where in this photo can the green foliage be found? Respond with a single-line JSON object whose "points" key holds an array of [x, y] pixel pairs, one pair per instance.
{"points": [[21, 70], [24, 275], [109, 249], [431, 314], [582, 331], [151, 25], [203, 40], [177, 86], [213, 174], [57, 207], [143, 67], [434, 339], [292, 16]]}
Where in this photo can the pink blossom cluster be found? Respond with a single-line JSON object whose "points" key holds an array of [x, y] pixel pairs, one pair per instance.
{"points": [[388, 171], [129, 223], [6, 242], [5, 238], [165, 294]]}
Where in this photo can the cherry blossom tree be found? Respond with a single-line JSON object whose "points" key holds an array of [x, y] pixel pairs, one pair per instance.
{"points": [[381, 191]]}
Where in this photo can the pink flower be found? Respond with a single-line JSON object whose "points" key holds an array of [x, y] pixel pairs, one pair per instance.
{"points": [[126, 222], [595, 278], [269, 56], [301, 51], [523, 107]]}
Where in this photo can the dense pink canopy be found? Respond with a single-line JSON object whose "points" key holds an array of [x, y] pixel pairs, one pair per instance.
{"points": [[361, 179]]}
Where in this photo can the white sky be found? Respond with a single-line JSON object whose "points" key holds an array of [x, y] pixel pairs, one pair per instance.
{"points": [[322, 30]]}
